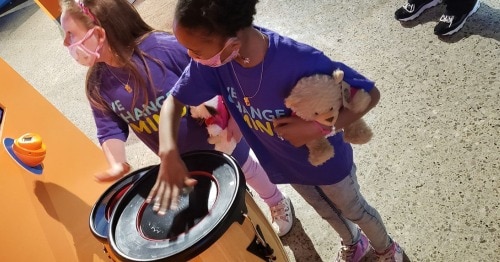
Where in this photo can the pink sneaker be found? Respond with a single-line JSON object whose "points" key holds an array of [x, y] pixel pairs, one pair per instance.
{"points": [[354, 253], [394, 253]]}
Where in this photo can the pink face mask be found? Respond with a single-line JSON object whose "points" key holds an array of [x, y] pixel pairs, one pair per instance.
{"points": [[215, 60], [81, 53]]}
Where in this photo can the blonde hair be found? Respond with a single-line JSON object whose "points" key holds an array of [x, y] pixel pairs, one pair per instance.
{"points": [[125, 30]]}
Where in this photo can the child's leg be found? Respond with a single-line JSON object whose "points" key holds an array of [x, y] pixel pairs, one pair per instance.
{"points": [[347, 230], [257, 178], [346, 197], [342, 205], [280, 206]]}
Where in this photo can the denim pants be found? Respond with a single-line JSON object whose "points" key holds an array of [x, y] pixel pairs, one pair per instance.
{"points": [[345, 209]]}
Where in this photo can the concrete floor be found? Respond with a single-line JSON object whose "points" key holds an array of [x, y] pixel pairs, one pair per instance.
{"points": [[432, 169]]}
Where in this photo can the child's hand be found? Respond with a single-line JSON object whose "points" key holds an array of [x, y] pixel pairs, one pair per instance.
{"points": [[172, 178], [113, 173], [296, 130]]}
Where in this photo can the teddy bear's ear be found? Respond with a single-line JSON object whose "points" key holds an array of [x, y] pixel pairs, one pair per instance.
{"points": [[338, 75]]}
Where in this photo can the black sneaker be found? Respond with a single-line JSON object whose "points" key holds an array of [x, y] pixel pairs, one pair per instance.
{"points": [[451, 22], [410, 11]]}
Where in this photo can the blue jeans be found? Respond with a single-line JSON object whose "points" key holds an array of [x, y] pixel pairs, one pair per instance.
{"points": [[345, 209]]}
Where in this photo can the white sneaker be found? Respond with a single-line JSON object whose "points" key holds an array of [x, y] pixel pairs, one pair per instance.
{"points": [[282, 214]]}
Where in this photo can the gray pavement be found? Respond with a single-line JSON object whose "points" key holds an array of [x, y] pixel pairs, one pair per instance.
{"points": [[432, 169]]}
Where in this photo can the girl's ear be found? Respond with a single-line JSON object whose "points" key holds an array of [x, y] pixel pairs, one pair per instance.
{"points": [[101, 33]]}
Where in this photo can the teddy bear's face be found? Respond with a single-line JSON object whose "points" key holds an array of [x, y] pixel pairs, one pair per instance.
{"points": [[328, 118], [316, 98]]}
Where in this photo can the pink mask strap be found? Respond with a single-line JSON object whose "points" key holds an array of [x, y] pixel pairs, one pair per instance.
{"points": [[87, 36], [228, 42]]}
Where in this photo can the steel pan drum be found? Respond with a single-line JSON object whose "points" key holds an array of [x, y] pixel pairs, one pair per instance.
{"points": [[216, 220]]}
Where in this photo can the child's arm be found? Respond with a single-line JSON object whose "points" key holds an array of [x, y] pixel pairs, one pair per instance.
{"points": [[346, 117], [299, 132], [173, 174], [114, 150], [296, 130]]}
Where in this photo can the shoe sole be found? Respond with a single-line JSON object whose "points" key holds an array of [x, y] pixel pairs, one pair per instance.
{"points": [[405, 257], [425, 7], [463, 22]]}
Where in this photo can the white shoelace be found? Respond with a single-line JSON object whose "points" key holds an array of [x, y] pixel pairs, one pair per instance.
{"points": [[279, 211], [409, 7]]}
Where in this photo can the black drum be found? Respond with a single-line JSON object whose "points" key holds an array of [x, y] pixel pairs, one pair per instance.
{"points": [[217, 220]]}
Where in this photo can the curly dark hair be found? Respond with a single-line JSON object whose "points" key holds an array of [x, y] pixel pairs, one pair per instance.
{"points": [[220, 17]]}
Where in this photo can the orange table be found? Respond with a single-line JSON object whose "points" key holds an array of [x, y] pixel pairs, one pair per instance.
{"points": [[51, 8], [45, 217]]}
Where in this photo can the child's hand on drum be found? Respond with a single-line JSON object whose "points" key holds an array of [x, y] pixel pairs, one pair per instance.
{"points": [[115, 172], [171, 180]]}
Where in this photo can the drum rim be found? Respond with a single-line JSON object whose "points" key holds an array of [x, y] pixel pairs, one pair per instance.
{"points": [[107, 195], [207, 239]]}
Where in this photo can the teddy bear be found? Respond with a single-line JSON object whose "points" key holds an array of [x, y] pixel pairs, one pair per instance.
{"points": [[214, 115], [320, 98]]}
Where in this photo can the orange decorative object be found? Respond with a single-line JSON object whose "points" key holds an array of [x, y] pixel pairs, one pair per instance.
{"points": [[30, 149]]}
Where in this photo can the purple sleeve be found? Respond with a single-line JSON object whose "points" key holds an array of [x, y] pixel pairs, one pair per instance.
{"points": [[319, 63], [355, 79], [314, 61], [109, 125], [189, 92]]}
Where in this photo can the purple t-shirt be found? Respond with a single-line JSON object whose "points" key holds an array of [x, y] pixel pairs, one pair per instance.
{"points": [[285, 62], [143, 116]]}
